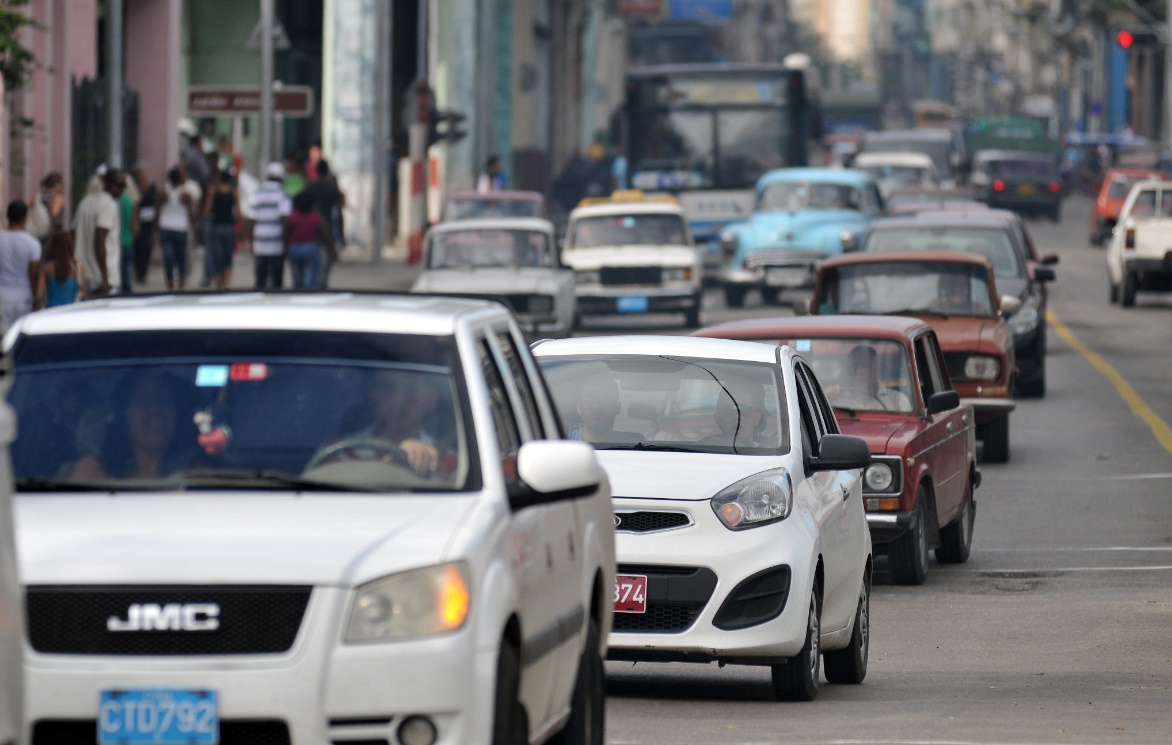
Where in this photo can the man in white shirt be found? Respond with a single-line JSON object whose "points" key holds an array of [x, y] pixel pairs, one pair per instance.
{"points": [[20, 265], [97, 229], [270, 208]]}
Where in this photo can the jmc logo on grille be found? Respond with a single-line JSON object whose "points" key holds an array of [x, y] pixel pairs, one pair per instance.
{"points": [[169, 617]]}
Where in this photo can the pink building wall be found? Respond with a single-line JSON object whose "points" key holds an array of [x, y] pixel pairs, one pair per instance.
{"points": [[153, 46]]}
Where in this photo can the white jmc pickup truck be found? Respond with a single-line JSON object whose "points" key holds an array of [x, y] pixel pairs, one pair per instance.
{"points": [[1139, 256], [633, 254]]}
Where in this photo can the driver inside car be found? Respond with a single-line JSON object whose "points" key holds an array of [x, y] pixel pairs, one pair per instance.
{"points": [[862, 389]]}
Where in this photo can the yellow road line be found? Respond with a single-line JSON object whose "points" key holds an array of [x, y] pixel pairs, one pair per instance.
{"points": [[1157, 425]]}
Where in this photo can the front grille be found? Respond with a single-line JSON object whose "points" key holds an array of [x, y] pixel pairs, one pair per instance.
{"points": [[630, 275], [251, 620], [675, 598], [954, 361], [649, 522], [85, 732], [755, 600]]}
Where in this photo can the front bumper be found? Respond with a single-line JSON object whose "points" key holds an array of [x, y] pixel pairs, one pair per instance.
{"points": [[321, 690], [987, 409], [731, 558], [780, 269], [635, 300], [886, 527]]}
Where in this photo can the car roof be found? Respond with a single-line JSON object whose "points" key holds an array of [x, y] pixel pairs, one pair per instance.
{"points": [[533, 196], [426, 315], [922, 134], [1012, 155], [627, 208], [1151, 183], [1129, 171], [940, 218], [885, 327], [891, 257], [681, 346], [840, 176], [494, 223], [895, 157]]}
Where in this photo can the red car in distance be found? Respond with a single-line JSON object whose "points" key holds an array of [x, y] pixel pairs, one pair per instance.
{"points": [[1116, 184], [887, 380]]}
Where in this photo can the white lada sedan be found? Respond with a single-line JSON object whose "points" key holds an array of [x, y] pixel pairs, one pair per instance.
{"points": [[741, 532], [296, 520]]}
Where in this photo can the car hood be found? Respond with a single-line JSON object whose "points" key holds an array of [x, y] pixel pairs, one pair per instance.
{"points": [[782, 229], [685, 476], [231, 538], [965, 333], [877, 429], [487, 281], [640, 255]]}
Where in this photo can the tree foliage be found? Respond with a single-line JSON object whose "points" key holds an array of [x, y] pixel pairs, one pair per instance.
{"points": [[17, 63]]}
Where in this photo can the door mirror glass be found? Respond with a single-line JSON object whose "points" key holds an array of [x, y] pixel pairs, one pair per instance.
{"points": [[1044, 274], [841, 453], [554, 470], [943, 401]]}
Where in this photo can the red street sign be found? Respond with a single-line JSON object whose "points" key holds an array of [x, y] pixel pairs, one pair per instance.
{"points": [[290, 100]]}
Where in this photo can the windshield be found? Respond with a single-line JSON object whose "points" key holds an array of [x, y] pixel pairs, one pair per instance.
{"points": [[992, 243], [1120, 186], [629, 230], [670, 403], [180, 411], [939, 150], [906, 288], [901, 175], [487, 248], [793, 196], [860, 374], [473, 208]]}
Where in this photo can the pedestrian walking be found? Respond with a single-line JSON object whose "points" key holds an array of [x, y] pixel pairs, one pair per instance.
{"points": [[222, 211], [62, 277], [306, 233], [148, 214], [270, 207], [97, 226], [20, 265], [328, 200], [176, 220], [127, 232], [47, 208], [491, 178]]}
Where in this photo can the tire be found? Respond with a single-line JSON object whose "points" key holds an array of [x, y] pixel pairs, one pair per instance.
{"points": [[956, 539], [769, 295], [1036, 388], [908, 556], [588, 706], [734, 297], [797, 678], [1096, 237], [1114, 292], [692, 317], [1130, 287], [997, 440], [849, 665], [1056, 214], [509, 725], [576, 324]]}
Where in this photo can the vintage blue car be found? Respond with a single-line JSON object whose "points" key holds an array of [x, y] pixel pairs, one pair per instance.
{"points": [[800, 217]]}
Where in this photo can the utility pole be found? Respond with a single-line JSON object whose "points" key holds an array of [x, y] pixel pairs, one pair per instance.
{"points": [[266, 83], [1168, 76], [382, 118], [114, 82]]}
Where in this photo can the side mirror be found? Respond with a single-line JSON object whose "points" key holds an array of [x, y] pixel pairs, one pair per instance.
{"points": [[841, 453], [1044, 274], [1049, 259], [943, 401], [850, 241], [1010, 305], [554, 470], [802, 307]]}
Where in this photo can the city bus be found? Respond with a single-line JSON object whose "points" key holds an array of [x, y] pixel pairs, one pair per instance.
{"points": [[706, 132]]}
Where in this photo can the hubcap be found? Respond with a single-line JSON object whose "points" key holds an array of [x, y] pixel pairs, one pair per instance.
{"points": [[864, 621], [815, 634]]}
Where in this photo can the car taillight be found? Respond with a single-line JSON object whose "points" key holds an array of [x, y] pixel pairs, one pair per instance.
{"points": [[1054, 187], [998, 185], [1129, 239]]}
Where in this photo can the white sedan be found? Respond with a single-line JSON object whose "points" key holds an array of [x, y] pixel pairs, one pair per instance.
{"points": [[741, 535]]}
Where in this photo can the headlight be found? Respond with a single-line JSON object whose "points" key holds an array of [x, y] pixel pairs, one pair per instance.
{"points": [[1026, 319], [879, 477], [416, 603], [982, 367], [755, 501], [540, 304], [588, 277], [677, 274]]}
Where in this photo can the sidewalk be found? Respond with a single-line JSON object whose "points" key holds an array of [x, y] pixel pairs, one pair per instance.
{"points": [[354, 270]]}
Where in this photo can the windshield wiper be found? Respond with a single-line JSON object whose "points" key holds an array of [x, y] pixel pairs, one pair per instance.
{"points": [[846, 410], [913, 312], [36, 484], [261, 478], [653, 447]]}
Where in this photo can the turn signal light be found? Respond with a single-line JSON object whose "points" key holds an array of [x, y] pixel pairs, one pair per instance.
{"points": [[1054, 187], [1129, 239], [998, 185], [882, 504], [454, 599]]}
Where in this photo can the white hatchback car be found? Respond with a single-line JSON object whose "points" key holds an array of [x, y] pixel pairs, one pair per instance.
{"points": [[11, 606], [742, 537], [303, 519]]}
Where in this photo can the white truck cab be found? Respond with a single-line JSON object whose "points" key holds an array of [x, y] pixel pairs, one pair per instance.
{"points": [[11, 615], [633, 254], [1139, 256]]}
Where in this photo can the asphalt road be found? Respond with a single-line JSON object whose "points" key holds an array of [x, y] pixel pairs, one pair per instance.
{"points": [[1058, 629]]}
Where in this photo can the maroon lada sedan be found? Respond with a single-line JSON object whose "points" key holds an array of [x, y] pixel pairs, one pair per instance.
{"points": [[888, 382]]}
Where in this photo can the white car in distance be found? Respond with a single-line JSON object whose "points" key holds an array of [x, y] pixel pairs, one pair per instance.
{"points": [[742, 537], [514, 259], [898, 170], [11, 604], [1139, 255], [303, 519]]}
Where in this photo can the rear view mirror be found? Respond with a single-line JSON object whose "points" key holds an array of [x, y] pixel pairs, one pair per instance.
{"points": [[841, 453], [1010, 305], [1044, 274], [943, 401], [554, 470]]}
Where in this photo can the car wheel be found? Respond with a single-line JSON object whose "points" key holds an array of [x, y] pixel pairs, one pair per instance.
{"points": [[1114, 292], [769, 295], [1096, 237], [956, 540], [692, 317], [797, 679], [997, 440], [1056, 214], [849, 665], [1130, 287], [576, 324], [588, 707], [734, 297], [908, 556], [1036, 388], [508, 724]]}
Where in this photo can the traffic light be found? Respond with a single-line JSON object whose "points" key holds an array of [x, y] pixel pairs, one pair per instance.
{"points": [[444, 126], [1131, 39]]}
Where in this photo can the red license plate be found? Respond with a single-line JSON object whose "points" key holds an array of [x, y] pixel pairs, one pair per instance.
{"points": [[630, 593]]}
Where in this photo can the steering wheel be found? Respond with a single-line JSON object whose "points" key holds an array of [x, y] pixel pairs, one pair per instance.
{"points": [[390, 453], [866, 394]]}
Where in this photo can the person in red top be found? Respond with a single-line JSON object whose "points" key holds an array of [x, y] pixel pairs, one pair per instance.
{"points": [[305, 234]]}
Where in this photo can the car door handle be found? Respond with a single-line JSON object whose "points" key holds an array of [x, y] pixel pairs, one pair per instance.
{"points": [[964, 418], [948, 426]]}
